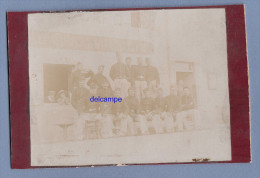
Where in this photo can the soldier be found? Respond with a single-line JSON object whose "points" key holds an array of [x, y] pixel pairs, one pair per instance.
{"points": [[152, 75], [129, 69], [79, 75], [78, 98], [133, 111], [99, 78], [105, 90], [106, 121], [119, 75], [123, 122], [90, 111], [150, 112], [187, 110], [139, 79], [172, 108], [79, 91]]}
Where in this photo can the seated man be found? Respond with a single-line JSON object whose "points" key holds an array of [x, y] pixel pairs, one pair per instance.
{"points": [[123, 121], [161, 104], [133, 110], [89, 111], [149, 111], [98, 78], [172, 107], [106, 121], [187, 111]]}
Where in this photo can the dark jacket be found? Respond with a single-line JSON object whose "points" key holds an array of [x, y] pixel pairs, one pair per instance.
{"points": [[91, 107], [119, 108], [133, 105], [118, 70], [77, 77], [186, 102], [172, 103], [139, 73], [78, 98], [151, 73], [147, 105], [98, 79]]}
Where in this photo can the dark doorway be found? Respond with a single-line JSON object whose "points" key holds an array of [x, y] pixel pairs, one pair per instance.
{"points": [[55, 79], [186, 79]]}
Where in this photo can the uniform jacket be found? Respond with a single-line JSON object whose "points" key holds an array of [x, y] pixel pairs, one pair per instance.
{"points": [[151, 74], [147, 105], [186, 102], [172, 103], [139, 73], [133, 104], [118, 70]]}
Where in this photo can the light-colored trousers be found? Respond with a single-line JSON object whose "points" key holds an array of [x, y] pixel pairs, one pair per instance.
{"points": [[168, 121], [123, 84], [107, 126], [141, 123], [140, 86], [79, 125], [187, 119], [156, 121], [125, 123]]}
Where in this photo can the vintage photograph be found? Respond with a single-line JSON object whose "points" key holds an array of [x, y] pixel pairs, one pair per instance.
{"points": [[168, 67]]}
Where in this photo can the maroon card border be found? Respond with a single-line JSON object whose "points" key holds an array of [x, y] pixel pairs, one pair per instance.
{"points": [[237, 73]]}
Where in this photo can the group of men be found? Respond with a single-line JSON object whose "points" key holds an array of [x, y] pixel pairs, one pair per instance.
{"points": [[143, 109]]}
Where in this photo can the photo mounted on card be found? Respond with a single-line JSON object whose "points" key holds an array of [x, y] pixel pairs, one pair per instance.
{"points": [[129, 86]]}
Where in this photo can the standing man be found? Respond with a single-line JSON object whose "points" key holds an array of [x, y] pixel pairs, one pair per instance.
{"points": [[139, 79], [187, 108], [129, 69], [118, 74], [152, 75], [79, 91], [106, 120], [79, 75], [172, 107]]}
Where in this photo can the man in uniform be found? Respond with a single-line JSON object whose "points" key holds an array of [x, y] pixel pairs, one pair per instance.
{"points": [[106, 121], [118, 74], [139, 79], [79, 91], [123, 122], [150, 112], [152, 75], [187, 110], [133, 111], [129, 69], [79, 75], [105, 90], [78, 98], [172, 108], [99, 78]]}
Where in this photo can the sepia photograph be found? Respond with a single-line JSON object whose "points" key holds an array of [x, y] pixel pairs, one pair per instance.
{"points": [[128, 87]]}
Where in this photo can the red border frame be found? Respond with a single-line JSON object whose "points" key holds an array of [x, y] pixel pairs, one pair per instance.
{"points": [[237, 73]]}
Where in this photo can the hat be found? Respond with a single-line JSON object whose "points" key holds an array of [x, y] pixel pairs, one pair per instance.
{"points": [[61, 92]]}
